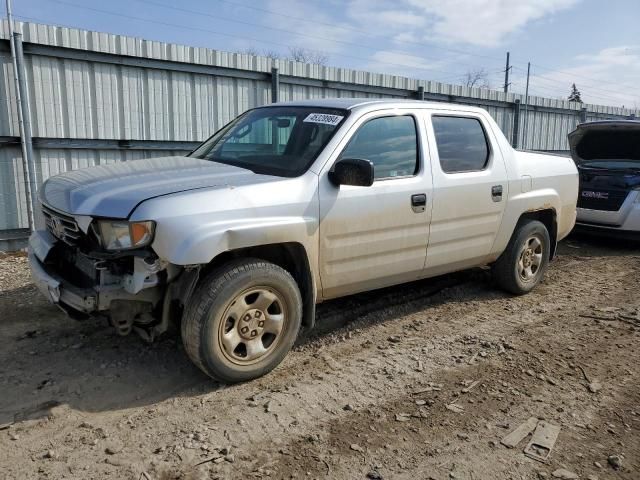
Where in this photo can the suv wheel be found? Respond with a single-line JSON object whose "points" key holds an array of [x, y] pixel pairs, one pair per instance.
{"points": [[242, 320], [522, 265]]}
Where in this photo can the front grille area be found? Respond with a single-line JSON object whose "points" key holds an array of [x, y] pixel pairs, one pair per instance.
{"points": [[63, 227], [606, 200]]}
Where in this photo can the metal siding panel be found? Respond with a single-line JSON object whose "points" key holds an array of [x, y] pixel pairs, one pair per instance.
{"points": [[12, 191], [80, 158], [46, 100], [85, 99], [158, 98], [133, 107], [181, 114], [231, 102], [53, 162], [8, 103], [78, 87], [106, 101], [205, 106], [246, 95]]}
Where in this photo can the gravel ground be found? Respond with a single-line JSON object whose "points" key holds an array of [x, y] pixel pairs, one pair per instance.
{"points": [[417, 381]]}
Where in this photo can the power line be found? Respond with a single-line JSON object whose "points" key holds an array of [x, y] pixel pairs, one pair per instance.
{"points": [[277, 29], [407, 42], [243, 37], [549, 89], [353, 29], [548, 92], [197, 12], [448, 74], [573, 75], [592, 87], [593, 91], [553, 91], [440, 79]]}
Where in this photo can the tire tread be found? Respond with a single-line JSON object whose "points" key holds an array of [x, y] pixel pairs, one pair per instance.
{"points": [[195, 316], [503, 269]]}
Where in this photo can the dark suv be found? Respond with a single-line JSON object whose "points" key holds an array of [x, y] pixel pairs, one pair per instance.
{"points": [[607, 154]]}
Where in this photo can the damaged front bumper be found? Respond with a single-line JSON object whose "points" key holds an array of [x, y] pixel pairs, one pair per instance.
{"points": [[134, 296], [67, 296], [70, 298]]}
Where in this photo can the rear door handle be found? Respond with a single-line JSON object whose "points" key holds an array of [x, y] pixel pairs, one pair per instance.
{"points": [[496, 193], [418, 202]]}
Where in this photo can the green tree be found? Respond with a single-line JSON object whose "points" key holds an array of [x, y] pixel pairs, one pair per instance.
{"points": [[574, 96]]}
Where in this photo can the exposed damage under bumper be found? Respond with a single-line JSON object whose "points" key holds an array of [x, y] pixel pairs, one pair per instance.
{"points": [[136, 291]]}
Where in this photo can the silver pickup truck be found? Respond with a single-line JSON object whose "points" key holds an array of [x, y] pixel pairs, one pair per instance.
{"points": [[289, 205]]}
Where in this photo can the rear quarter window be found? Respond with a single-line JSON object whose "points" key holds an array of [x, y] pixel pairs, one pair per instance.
{"points": [[462, 143]]}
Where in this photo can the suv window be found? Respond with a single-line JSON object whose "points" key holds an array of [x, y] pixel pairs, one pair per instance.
{"points": [[462, 143], [391, 143]]}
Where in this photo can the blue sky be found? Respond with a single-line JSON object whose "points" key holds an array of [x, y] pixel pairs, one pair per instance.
{"points": [[594, 43]]}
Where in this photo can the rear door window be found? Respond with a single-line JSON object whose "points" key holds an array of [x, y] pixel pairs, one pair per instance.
{"points": [[462, 143]]}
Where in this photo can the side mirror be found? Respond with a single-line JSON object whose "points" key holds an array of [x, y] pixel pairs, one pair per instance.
{"points": [[352, 171]]}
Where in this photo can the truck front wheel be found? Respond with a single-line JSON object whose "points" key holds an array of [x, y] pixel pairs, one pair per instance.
{"points": [[522, 265], [242, 320]]}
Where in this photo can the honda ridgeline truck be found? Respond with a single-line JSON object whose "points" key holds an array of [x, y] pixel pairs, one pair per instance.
{"points": [[287, 206]]}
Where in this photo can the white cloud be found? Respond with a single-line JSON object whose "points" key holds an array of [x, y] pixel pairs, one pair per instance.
{"points": [[484, 22], [396, 59], [387, 36], [375, 14], [608, 77], [324, 34], [406, 37], [477, 22], [402, 63]]}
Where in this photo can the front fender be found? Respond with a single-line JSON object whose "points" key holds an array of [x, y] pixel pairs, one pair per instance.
{"points": [[203, 243], [194, 227]]}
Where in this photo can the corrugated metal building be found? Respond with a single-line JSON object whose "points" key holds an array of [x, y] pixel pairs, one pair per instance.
{"points": [[99, 98]]}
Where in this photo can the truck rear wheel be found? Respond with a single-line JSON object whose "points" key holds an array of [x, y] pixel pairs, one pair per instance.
{"points": [[522, 265], [242, 320]]}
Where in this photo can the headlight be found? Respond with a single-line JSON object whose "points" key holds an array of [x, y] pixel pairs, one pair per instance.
{"points": [[122, 235]]}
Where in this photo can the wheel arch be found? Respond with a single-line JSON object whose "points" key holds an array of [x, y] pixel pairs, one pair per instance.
{"points": [[291, 256], [548, 217]]}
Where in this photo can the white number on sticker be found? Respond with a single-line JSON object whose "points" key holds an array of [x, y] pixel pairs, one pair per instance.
{"points": [[323, 118]]}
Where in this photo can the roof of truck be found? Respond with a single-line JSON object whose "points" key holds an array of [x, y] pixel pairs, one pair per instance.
{"points": [[353, 103]]}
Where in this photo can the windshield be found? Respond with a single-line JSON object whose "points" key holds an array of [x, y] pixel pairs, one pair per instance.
{"points": [[281, 141]]}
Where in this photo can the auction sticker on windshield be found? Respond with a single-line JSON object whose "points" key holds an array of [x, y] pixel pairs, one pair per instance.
{"points": [[323, 118]]}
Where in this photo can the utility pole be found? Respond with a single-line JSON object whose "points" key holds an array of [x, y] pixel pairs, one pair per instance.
{"points": [[24, 116], [506, 75], [526, 108]]}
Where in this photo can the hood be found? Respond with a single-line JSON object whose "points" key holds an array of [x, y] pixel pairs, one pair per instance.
{"points": [[116, 190], [616, 141]]}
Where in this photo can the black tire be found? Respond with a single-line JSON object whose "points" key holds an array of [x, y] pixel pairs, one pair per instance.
{"points": [[216, 299], [507, 269]]}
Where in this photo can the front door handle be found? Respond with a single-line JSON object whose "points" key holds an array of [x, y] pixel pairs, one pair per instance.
{"points": [[419, 202], [496, 193]]}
